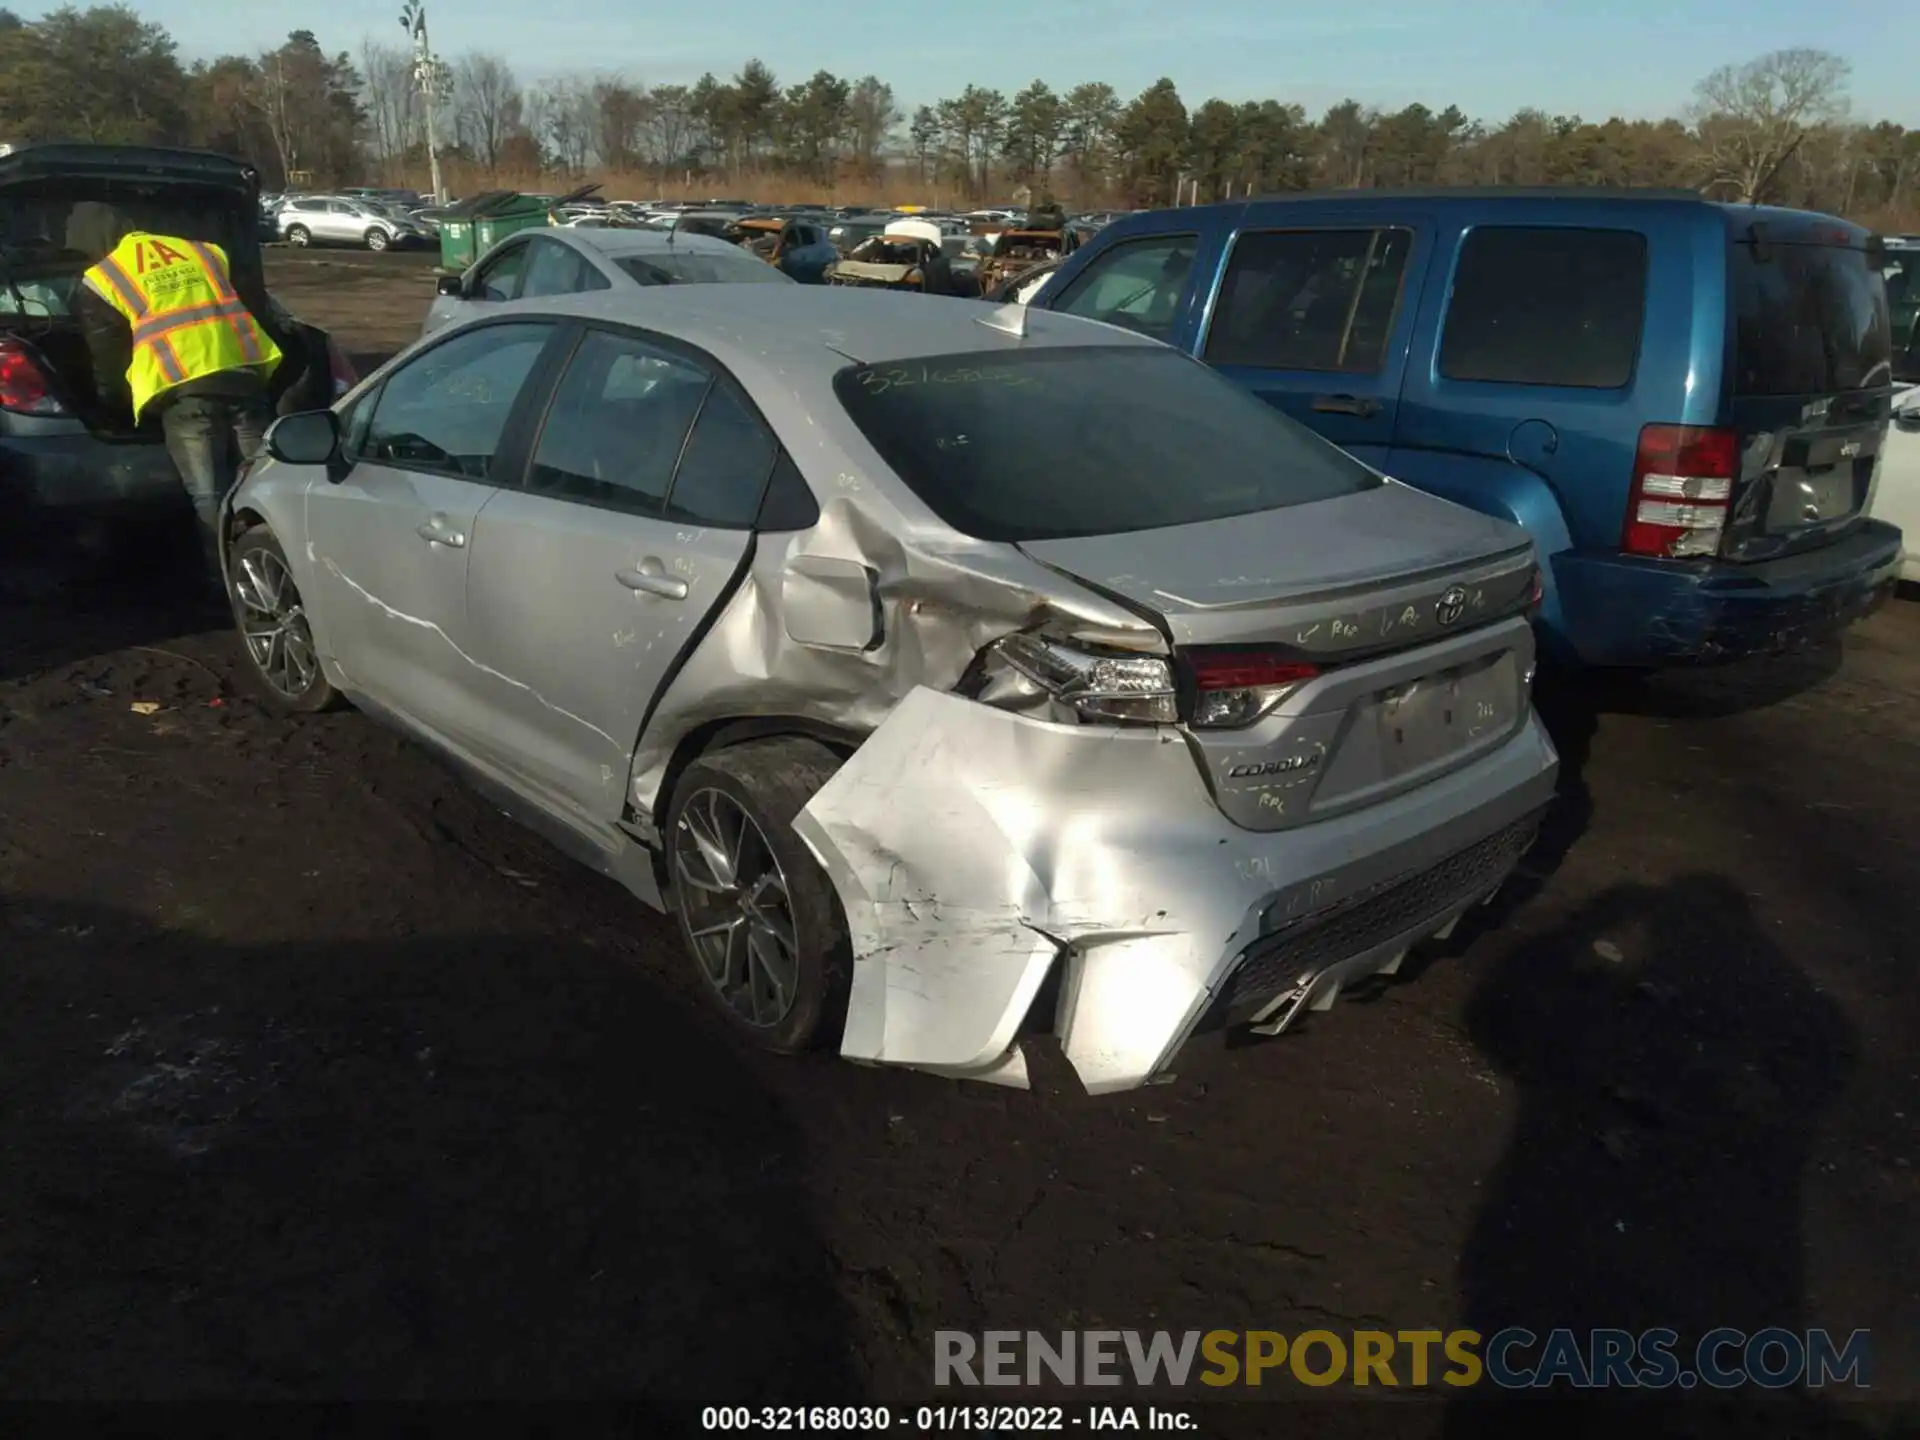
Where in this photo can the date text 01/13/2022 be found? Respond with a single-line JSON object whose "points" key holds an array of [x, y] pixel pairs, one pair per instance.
{"points": [[945, 1419]]}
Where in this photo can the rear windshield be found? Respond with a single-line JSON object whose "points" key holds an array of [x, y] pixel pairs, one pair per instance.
{"points": [[1090, 440], [1810, 320], [699, 267]]}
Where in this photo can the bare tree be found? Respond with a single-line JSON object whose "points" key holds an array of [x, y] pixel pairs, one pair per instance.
{"points": [[487, 105], [1751, 117], [620, 111], [568, 120], [387, 92]]}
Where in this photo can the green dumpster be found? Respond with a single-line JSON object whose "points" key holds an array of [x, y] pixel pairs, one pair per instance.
{"points": [[475, 225]]}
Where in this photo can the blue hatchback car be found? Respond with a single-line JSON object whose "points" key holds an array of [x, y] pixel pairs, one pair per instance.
{"points": [[1683, 401]]}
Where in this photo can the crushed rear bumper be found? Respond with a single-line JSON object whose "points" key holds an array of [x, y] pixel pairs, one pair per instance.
{"points": [[975, 851]]}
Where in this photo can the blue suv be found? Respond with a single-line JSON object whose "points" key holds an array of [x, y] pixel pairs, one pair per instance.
{"points": [[1682, 401]]}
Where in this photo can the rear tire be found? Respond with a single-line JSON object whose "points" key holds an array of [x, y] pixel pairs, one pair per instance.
{"points": [[298, 235], [274, 633], [757, 914], [377, 239]]}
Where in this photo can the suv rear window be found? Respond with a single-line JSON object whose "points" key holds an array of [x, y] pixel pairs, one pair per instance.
{"points": [[1086, 440], [1537, 305], [1809, 320]]}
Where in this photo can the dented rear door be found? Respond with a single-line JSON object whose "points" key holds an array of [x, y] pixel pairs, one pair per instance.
{"points": [[597, 571]]}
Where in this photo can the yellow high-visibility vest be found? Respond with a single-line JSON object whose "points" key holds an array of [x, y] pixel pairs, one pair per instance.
{"points": [[187, 322]]}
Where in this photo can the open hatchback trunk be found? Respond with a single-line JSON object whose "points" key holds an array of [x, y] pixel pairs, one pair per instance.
{"points": [[62, 207]]}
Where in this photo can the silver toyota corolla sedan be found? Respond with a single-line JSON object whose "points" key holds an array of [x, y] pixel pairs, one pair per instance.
{"points": [[916, 652]]}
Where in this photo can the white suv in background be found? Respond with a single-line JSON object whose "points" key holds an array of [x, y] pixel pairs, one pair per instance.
{"points": [[336, 220]]}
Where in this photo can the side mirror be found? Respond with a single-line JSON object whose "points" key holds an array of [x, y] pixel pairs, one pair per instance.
{"points": [[311, 437], [451, 286]]}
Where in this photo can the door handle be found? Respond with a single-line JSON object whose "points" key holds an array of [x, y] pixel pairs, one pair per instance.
{"points": [[1364, 406], [650, 577], [437, 532]]}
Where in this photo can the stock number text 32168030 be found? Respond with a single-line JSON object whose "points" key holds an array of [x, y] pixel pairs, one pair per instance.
{"points": [[919, 1420]]}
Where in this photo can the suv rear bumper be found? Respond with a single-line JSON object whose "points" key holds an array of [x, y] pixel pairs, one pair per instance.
{"points": [[70, 474], [975, 852], [1619, 610]]}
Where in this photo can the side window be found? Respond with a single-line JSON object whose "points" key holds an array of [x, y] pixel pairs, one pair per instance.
{"points": [[357, 424], [1138, 284], [1309, 300], [724, 467], [789, 503], [618, 423], [446, 410], [552, 269], [1539, 306], [500, 280], [591, 279]]}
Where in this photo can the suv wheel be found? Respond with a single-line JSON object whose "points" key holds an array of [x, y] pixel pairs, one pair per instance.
{"points": [[273, 625], [377, 239], [757, 913], [298, 235]]}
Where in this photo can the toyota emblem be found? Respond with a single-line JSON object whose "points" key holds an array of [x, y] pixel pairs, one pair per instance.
{"points": [[1451, 606]]}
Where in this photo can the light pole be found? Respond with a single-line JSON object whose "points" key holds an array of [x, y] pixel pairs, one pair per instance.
{"points": [[430, 78]]}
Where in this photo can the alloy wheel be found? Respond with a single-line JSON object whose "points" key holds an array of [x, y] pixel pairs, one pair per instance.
{"points": [[734, 901], [273, 623]]}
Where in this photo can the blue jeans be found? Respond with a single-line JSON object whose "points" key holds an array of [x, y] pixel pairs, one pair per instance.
{"points": [[203, 433]]}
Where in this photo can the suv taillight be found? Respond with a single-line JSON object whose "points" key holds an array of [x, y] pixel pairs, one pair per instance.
{"points": [[24, 387], [1682, 487]]}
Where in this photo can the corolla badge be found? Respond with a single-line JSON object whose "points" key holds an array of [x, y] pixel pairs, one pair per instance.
{"points": [[1451, 606]]}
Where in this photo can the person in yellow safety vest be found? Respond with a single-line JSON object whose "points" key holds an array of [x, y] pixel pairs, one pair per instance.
{"points": [[164, 310]]}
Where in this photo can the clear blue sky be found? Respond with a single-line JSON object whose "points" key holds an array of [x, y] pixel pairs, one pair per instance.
{"points": [[1491, 57]]}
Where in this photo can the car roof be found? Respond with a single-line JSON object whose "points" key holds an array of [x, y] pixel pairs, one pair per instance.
{"points": [[758, 331], [616, 241]]}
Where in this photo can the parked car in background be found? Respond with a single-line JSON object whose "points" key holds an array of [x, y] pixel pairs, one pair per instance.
{"points": [[698, 584], [798, 248], [65, 456], [340, 220], [1683, 401], [1902, 272], [847, 234], [579, 260], [1896, 492]]}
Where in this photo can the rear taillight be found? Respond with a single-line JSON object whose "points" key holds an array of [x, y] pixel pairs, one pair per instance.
{"points": [[1093, 684], [1538, 590], [341, 368], [24, 386], [1232, 688], [1682, 488]]}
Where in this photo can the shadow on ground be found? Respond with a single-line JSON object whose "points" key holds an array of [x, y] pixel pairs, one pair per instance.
{"points": [[69, 594], [1672, 1069], [436, 1167], [1572, 704]]}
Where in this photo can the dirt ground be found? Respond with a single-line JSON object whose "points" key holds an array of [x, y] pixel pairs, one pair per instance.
{"points": [[318, 1078]]}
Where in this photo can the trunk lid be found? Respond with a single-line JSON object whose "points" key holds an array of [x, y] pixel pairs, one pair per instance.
{"points": [[1334, 578], [1404, 615], [1811, 382]]}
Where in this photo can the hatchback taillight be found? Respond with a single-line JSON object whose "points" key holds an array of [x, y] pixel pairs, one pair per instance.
{"points": [[24, 386], [1682, 487]]}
